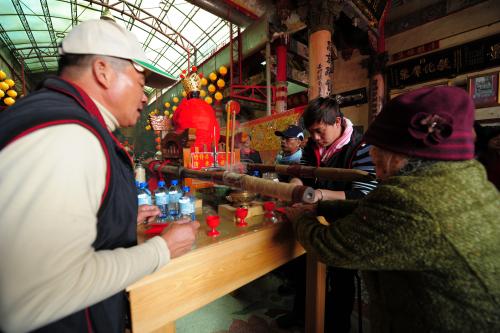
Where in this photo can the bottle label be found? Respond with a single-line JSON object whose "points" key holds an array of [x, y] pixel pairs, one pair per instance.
{"points": [[144, 199], [184, 206], [161, 199]]}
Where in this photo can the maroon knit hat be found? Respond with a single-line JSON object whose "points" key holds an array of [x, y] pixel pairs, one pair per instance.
{"points": [[433, 123]]}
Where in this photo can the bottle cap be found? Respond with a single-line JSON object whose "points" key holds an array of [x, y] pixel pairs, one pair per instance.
{"points": [[174, 182], [161, 183], [186, 189]]}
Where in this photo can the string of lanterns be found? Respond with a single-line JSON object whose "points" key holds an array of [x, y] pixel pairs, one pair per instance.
{"points": [[7, 92]]}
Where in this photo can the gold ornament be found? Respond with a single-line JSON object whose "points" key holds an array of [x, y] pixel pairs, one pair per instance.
{"points": [[10, 82], [166, 113], [184, 94], [203, 81], [2, 75], [203, 93], [212, 76], [167, 105], [221, 83], [148, 128], [2, 94], [218, 96], [9, 101], [12, 93], [4, 86], [174, 108], [175, 99], [222, 70], [208, 99], [191, 83], [211, 88]]}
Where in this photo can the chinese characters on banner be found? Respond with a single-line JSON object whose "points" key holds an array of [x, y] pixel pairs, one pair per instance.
{"points": [[474, 56]]}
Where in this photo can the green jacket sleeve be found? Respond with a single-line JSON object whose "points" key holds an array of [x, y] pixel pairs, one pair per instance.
{"points": [[387, 230], [336, 209]]}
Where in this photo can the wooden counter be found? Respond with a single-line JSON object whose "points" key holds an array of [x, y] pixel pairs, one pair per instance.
{"points": [[213, 269]]}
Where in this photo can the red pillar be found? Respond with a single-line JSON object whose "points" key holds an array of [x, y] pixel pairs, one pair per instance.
{"points": [[281, 82]]}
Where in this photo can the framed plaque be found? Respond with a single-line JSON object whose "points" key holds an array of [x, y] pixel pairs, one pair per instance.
{"points": [[484, 90]]}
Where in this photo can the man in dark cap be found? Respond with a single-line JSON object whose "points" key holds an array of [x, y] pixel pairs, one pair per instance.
{"points": [[291, 141], [427, 236]]}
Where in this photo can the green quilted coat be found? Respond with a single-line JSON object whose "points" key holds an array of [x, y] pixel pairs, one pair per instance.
{"points": [[428, 243]]}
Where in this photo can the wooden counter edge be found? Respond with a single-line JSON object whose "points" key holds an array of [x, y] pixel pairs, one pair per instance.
{"points": [[205, 274]]}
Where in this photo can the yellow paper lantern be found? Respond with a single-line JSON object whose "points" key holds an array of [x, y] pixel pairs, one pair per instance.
{"points": [[12, 93], [174, 108], [203, 93], [9, 101], [221, 83], [10, 82], [218, 96], [2, 94], [212, 76], [208, 99], [222, 70], [167, 105], [4, 86], [203, 81], [175, 99], [2, 75], [211, 88], [184, 94]]}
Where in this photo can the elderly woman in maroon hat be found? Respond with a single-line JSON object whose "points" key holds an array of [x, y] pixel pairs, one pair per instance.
{"points": [[428, 237]]}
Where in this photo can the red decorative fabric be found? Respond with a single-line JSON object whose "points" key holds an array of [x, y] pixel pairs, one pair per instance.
{"points": [[196, 113]]}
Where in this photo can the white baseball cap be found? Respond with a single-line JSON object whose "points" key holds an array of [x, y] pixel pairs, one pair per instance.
{"points": [[107, 38]]}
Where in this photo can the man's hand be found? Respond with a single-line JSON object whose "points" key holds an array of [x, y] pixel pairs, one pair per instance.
{"points": [[147, 214], [180, 237]]}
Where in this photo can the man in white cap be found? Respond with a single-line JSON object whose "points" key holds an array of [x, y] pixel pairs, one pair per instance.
{"points": [[68, 205]]}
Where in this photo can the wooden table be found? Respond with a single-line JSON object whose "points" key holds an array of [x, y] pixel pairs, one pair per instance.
{"points": [[213, 269]]}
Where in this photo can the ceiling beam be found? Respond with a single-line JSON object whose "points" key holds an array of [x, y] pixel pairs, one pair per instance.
{"points": [[24, 21], [12, 49], [48, 21]]}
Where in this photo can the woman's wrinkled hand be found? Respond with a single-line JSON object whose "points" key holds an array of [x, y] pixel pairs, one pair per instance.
{"points": [[147, 214]]}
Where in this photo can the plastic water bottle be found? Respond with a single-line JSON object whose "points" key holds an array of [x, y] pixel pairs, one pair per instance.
{"points": [[140, 172], [174, 194], [161, 200], [143, 194], [186, 205]]}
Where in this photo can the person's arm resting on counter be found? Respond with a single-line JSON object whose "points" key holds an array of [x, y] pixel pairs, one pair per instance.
{"points": [[49, 226]]}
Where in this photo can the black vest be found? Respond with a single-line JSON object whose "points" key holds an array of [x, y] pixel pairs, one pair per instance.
{"points": [[59, 102]]}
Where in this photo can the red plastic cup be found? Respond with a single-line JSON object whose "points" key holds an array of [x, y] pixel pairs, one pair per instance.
{"points": [[213, 222]]}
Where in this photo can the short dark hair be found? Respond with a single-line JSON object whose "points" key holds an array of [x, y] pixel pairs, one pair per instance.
{"points": [[71, 60], [321, 109], [81, 60]]}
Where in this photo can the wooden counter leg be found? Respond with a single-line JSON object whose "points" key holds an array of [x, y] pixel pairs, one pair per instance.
{"points": [[169, 328], [315, 295]]}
